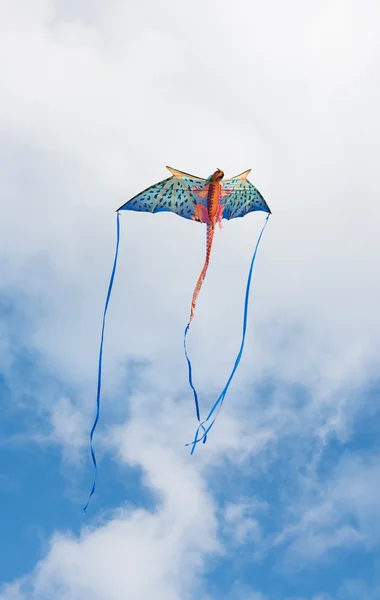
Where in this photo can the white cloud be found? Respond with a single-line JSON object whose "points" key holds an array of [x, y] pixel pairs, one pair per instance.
{"points": [[136, 551], [340, 512], [95, 124], [68, 428], [241, 523]]}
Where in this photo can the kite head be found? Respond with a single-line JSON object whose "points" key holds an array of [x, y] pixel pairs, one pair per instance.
{"points": [[217, 176]]}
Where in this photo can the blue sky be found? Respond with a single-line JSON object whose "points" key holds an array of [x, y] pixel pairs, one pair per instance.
{"points": [[282, 503]]}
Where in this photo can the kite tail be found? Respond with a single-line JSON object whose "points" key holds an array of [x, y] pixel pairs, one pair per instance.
{"points": [[209, 241], [101, 360], [201, 278], [218, 403]]}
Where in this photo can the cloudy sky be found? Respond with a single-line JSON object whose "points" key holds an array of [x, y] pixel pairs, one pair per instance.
{"points": [[283, 502]]}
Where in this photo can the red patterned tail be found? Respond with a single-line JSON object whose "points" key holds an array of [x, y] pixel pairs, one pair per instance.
{"points": [[209, 240]]}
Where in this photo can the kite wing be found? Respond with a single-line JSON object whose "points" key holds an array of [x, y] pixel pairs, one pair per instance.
{"points": [[179, 194], [241, 197]]}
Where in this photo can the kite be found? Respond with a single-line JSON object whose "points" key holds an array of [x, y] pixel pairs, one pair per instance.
{"points": [[206, 201]]}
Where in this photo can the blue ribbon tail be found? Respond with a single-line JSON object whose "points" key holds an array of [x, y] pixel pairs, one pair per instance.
{"points": [[99, 385], [218, 403], [190, 372]]}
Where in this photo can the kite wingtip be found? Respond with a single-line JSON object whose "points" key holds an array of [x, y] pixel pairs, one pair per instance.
{"points": [[174, 172]]}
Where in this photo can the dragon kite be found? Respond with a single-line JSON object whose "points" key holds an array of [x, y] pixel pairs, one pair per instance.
{"points": [[205, 201]]}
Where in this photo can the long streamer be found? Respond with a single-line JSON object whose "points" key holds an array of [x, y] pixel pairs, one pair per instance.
{"points": [[100, 364]]}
